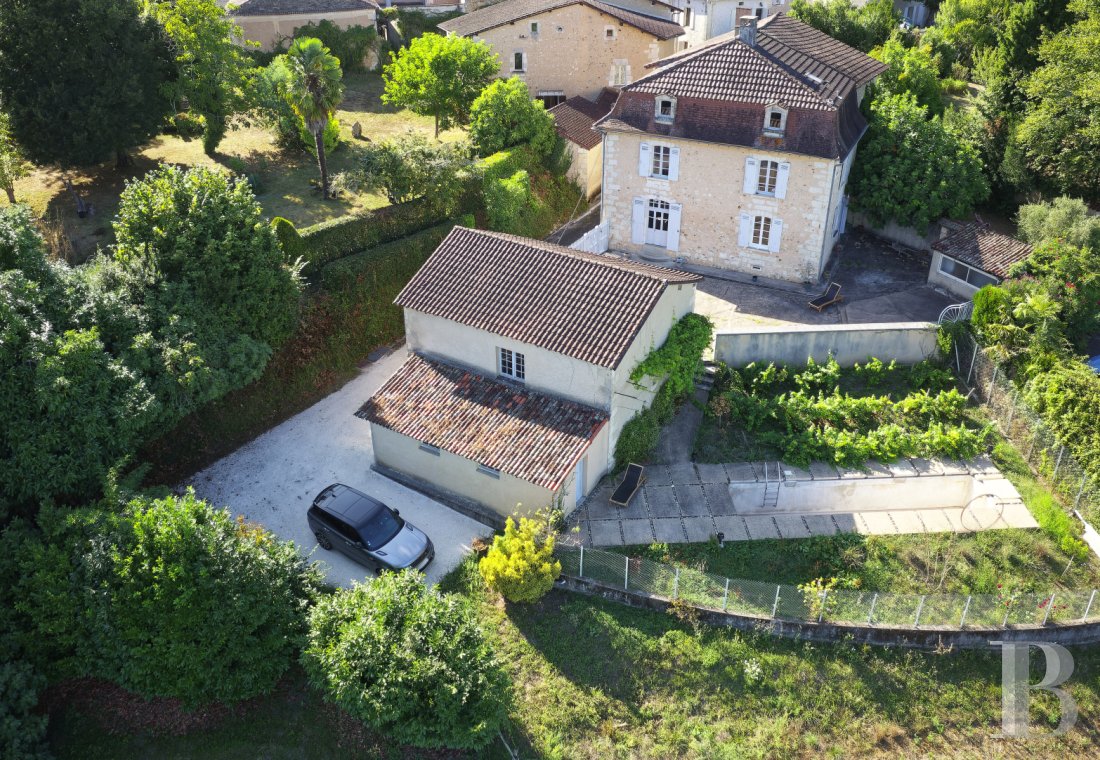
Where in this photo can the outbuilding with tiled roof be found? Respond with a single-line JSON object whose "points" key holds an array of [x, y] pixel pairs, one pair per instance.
{"points": [[972, 256], [272, 22], [518, 381], [574, 120]]}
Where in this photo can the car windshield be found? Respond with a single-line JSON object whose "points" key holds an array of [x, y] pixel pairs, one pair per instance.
{"points": [[380, 527]]}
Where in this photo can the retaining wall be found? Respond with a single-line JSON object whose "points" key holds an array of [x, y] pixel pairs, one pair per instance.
{"points": [[907, 342], [930, 637]]}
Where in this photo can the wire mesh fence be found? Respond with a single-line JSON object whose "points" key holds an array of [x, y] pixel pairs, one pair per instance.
{"points": [[781, 602], [1033, 437]]}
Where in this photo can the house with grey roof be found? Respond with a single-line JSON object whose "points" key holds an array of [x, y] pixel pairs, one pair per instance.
{"points": [[972, 256], [271, 22], [735, 155], [564, 48], [517, 382]]}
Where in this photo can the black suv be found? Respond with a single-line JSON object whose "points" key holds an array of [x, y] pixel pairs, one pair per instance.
{"points": [[367, 530]]}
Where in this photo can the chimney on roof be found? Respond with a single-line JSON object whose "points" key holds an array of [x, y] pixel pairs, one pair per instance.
{"points": [[747, 32]]}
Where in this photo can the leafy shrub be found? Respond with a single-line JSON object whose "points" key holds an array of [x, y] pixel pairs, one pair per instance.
{"points": [[186, 125], [520, 564], [507, 201], [412, 167], [408, 662], [189, 602], [331, 137], [505, 115], [1063, 218], [350, 45], [22, 729]]}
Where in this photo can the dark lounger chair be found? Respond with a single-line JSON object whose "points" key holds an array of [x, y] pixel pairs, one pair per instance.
{"points": [[632, 481], [828, 298]]}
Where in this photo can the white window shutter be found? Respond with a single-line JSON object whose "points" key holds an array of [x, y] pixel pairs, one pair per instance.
{"points": [[673, 240], [674, 164], [637, 226], [752, 172], [781, 180], [776, 235], [645, 160], [744, 234]]}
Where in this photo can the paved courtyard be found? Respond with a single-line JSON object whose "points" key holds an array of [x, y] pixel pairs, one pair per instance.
{"points": [[689, 502]]}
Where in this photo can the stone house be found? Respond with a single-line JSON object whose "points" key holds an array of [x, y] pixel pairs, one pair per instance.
{"points": [[574, 120], [517, 383], [563, 48], [736, 155], [969, 258], [270, 22]]}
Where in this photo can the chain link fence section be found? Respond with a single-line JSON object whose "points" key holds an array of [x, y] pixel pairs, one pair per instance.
{"points": [[853, 607], [1032, 437]]}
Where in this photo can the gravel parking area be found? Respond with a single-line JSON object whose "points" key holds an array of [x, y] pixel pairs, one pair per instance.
{"points": [[273, 479]]}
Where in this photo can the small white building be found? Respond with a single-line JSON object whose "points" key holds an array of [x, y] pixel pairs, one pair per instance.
{"points": [[573, 121], [518, 382], [969, 258]]}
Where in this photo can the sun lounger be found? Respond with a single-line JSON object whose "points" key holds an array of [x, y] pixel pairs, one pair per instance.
{"points": [[828, 298], [632, 481]]}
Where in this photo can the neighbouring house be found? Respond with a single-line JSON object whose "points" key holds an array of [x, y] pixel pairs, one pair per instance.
{"points": [[271, 22], [969, 258], [574, 120], [563, 48], [706, 19], [913, 12], [517, 383], [736, 155]]}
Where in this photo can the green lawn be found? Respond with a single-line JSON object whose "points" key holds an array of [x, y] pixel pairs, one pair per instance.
{"points": [[285, 178]]}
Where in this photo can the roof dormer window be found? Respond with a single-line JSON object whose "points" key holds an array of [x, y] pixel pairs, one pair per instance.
{"points": [[775, 120], [666, 109]]}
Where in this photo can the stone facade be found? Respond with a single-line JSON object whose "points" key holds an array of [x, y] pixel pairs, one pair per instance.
{"points": [[269, 31], [710, 205], [586, 168], [571, 53]]}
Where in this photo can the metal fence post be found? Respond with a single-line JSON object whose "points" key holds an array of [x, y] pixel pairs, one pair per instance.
{"points": [[676, 584], [966, 609], [1046, 613], [871, 614], [1081, 490], [1031, 448], [1088, 607], [626, 573], [1011, 410], [726, 595], [1057, 464], [775, 607], [992, 381], [1008, 611], [973, 361], [580, 569], [821, 612], [920, 607]]}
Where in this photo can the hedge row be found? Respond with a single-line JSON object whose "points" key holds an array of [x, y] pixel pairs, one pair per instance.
{"points": [[323, 243]]}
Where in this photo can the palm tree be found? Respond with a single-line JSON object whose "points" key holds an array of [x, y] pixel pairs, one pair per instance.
{"points": [[314, 90]]}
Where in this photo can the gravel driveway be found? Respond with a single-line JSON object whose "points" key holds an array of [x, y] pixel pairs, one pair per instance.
{"points": [[272, 480]]}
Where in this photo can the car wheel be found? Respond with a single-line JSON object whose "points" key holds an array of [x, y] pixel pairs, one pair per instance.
{"points": [[322, 541]]}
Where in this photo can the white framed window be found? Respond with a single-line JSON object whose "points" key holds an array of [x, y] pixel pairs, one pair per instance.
{"points": [[620, 73], [775, 120], [492, 472], [430, 449], [511, 364], [760, 231], [687, 18], [519, 61], [656, 222], [766, 177], [665, 109], [534, 28], [659, 161], [968, 274], [609, 32]]}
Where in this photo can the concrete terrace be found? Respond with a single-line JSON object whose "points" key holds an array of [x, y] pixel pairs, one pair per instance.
{"points": [[691, 502]]}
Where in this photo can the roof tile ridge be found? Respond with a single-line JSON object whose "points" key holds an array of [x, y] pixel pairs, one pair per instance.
{"points": [[787, 72]]}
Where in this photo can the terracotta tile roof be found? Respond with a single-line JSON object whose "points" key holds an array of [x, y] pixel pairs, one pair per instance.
{"points": [[508, 11], [976, 245], [791, 63], [299, 7], [532, 436], [574, 118], [584, 305]]}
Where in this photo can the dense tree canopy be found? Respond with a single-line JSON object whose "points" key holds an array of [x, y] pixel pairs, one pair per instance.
{"points": [[13, 165], [1060, 135], [1063, 218], [911, 170], [863, 27], [441, 77], [82, 80], [505, 115], [912, 70], [408, 662]]}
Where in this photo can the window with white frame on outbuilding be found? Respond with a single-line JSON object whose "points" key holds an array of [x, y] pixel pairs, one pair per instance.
{"points": [[511, 364]]}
